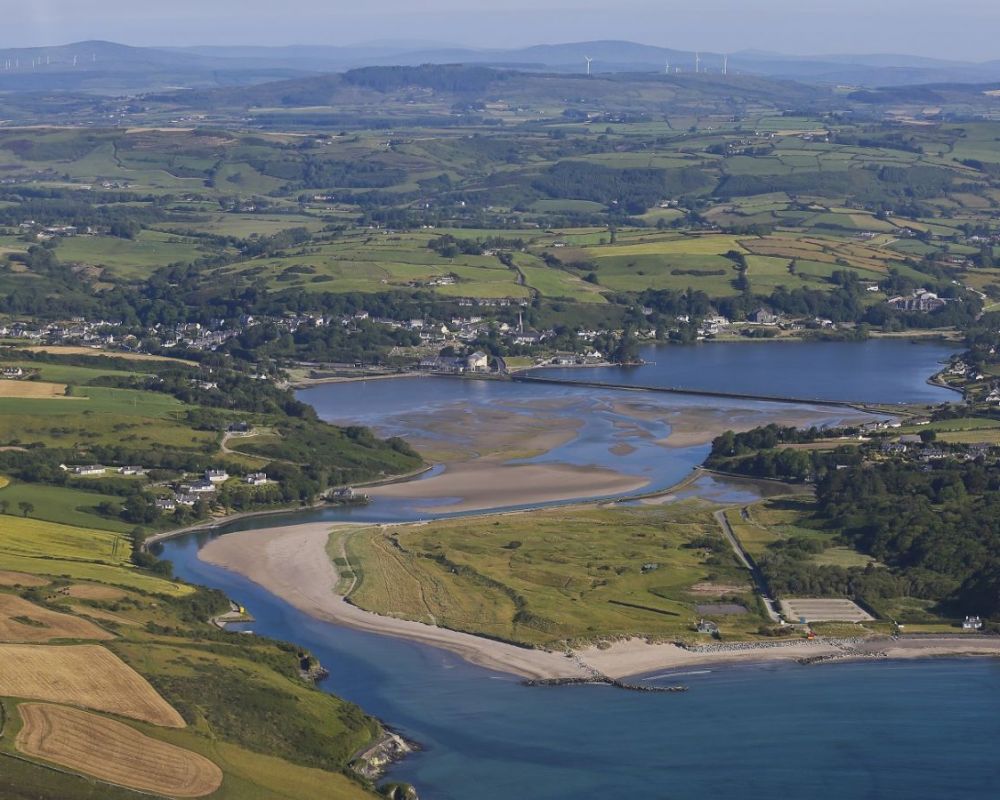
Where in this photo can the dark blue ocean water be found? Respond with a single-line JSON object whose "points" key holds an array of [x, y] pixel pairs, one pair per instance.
{"points": [[923, 730]]}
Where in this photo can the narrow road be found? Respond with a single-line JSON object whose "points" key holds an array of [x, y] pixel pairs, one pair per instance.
{"points": [[747, 561]]}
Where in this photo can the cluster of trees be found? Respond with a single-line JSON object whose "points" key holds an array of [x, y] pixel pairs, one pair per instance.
{"points": [[944, 521], [112, 212], [632, 190], [872, 187], [449, 246], [311, 172]]}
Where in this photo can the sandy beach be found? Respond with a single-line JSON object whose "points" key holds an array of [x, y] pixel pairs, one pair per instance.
{"points": [[292, 562], [478, 486]]}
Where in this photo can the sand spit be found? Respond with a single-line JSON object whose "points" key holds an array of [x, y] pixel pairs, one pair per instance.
{"points": [[292, 562]]}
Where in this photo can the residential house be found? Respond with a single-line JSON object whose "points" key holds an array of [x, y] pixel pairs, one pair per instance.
{"points": [[477, 362], [198, 487], [216, 475], [131, 470], [256, 479]]}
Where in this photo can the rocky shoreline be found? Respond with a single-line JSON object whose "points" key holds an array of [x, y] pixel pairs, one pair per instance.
{"points": [[373, 762]]}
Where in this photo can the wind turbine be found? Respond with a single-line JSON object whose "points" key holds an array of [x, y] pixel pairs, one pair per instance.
{"points": [[666, 69], [588, 59]]}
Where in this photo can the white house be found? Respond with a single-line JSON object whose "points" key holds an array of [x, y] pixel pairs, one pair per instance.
{"points": [[132, 470], [256, 479], [216, 475]]}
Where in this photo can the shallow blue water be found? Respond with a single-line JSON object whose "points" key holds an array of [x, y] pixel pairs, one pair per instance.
{"points": [[875, 371], [909, 730]]}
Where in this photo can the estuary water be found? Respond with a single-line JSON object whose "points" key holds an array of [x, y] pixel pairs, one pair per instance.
{"points": [[917, 730], [873, 371]]}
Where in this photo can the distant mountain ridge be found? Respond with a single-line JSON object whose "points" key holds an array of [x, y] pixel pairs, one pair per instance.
{"points": [[112, 68]]}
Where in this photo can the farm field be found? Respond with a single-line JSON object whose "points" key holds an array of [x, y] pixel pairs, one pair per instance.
{"points": [[33, 390], [113, 752], [96, 415], [22, 621], [70, 350], [129, 259], [84, 675], [38, 547], [62, 504], [547, 576]]}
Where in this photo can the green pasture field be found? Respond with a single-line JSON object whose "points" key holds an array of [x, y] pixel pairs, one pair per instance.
{"points": [[64, 505], [130, 258], [100, 415], [711, 274], [546, 577], [65, 373], [555, 283], [243, 225]]}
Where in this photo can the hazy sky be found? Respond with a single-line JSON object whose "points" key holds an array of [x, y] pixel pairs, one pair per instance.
{"points": [[963, 29]]}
